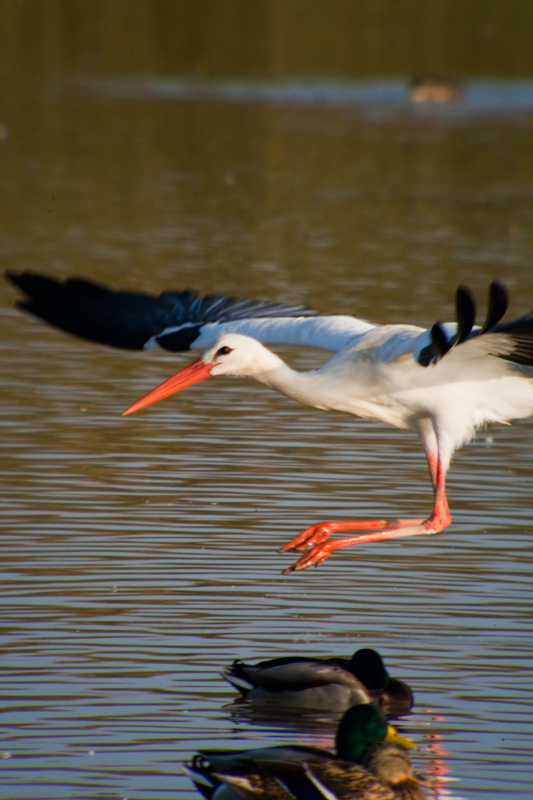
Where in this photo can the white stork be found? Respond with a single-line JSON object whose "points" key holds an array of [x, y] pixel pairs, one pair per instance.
{"points": [[443, 383]]}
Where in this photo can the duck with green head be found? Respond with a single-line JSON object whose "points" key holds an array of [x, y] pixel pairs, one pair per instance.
{"points": [[371, 764]]}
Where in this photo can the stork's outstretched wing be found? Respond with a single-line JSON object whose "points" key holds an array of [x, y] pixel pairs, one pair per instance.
{"points": [[175, 321]]}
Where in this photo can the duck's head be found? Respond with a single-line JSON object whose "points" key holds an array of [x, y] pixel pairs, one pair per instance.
{"points": [[363, 726], [367, 665]]}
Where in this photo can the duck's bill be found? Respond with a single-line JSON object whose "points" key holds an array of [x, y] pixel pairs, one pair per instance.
{"points": [[194, 373], [392, 735]]}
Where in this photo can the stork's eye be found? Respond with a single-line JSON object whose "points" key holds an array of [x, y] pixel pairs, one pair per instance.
{"points": [[223, 351]]}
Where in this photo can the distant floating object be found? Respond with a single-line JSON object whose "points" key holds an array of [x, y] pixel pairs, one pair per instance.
{"points": [[435, 89]]}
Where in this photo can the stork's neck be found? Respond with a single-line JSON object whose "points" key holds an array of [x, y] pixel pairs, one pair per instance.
{"points": [[332, 388], [305, 387]]}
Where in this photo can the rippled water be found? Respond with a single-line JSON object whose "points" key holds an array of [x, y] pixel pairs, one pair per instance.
{"points": [[139, 555]]}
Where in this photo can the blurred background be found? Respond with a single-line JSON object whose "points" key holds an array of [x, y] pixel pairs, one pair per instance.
{"points": [[358, 157]]}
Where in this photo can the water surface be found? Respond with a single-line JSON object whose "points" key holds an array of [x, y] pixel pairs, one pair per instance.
{"points": [[139, 555]]}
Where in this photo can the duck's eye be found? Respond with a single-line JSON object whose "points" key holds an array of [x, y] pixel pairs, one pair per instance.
{"points": [[223, 351]]}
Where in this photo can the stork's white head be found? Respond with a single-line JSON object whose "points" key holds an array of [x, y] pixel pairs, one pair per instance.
{"points": [[233, 354], [238, 355]]}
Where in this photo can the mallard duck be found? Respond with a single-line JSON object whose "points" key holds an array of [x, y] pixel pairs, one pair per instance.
{"points": [[297, 772], [328, 683]]}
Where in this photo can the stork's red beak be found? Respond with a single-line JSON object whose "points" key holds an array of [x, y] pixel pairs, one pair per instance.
{"points": [[195, 372]]}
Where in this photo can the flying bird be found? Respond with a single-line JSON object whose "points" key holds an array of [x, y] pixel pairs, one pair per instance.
{"points": [[442, 383]]}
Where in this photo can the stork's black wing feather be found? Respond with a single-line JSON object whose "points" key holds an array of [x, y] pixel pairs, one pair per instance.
{"points": [[466, 314], [498, 302], [437, 349], [130, 319], [515, 344], [520, 336]]}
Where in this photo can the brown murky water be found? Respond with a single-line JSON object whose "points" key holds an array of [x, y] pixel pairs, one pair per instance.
{"points": [[139, 555]]}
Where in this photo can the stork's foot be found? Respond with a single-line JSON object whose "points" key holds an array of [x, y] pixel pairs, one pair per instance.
{"points": [[314, 539], [315, 556], [311, 536]]}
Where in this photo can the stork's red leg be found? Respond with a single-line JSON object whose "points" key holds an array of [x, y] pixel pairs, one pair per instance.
{"points": [[315, 537], [321, 531]]}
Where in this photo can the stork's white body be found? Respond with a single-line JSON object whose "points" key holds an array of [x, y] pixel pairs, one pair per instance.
{"points": [[377, 377]]}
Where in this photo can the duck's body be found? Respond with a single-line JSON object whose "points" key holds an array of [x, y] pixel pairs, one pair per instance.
{"points": [[297, 772], [390, 764], [313, 779], [443, 383], [334, 684]]}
